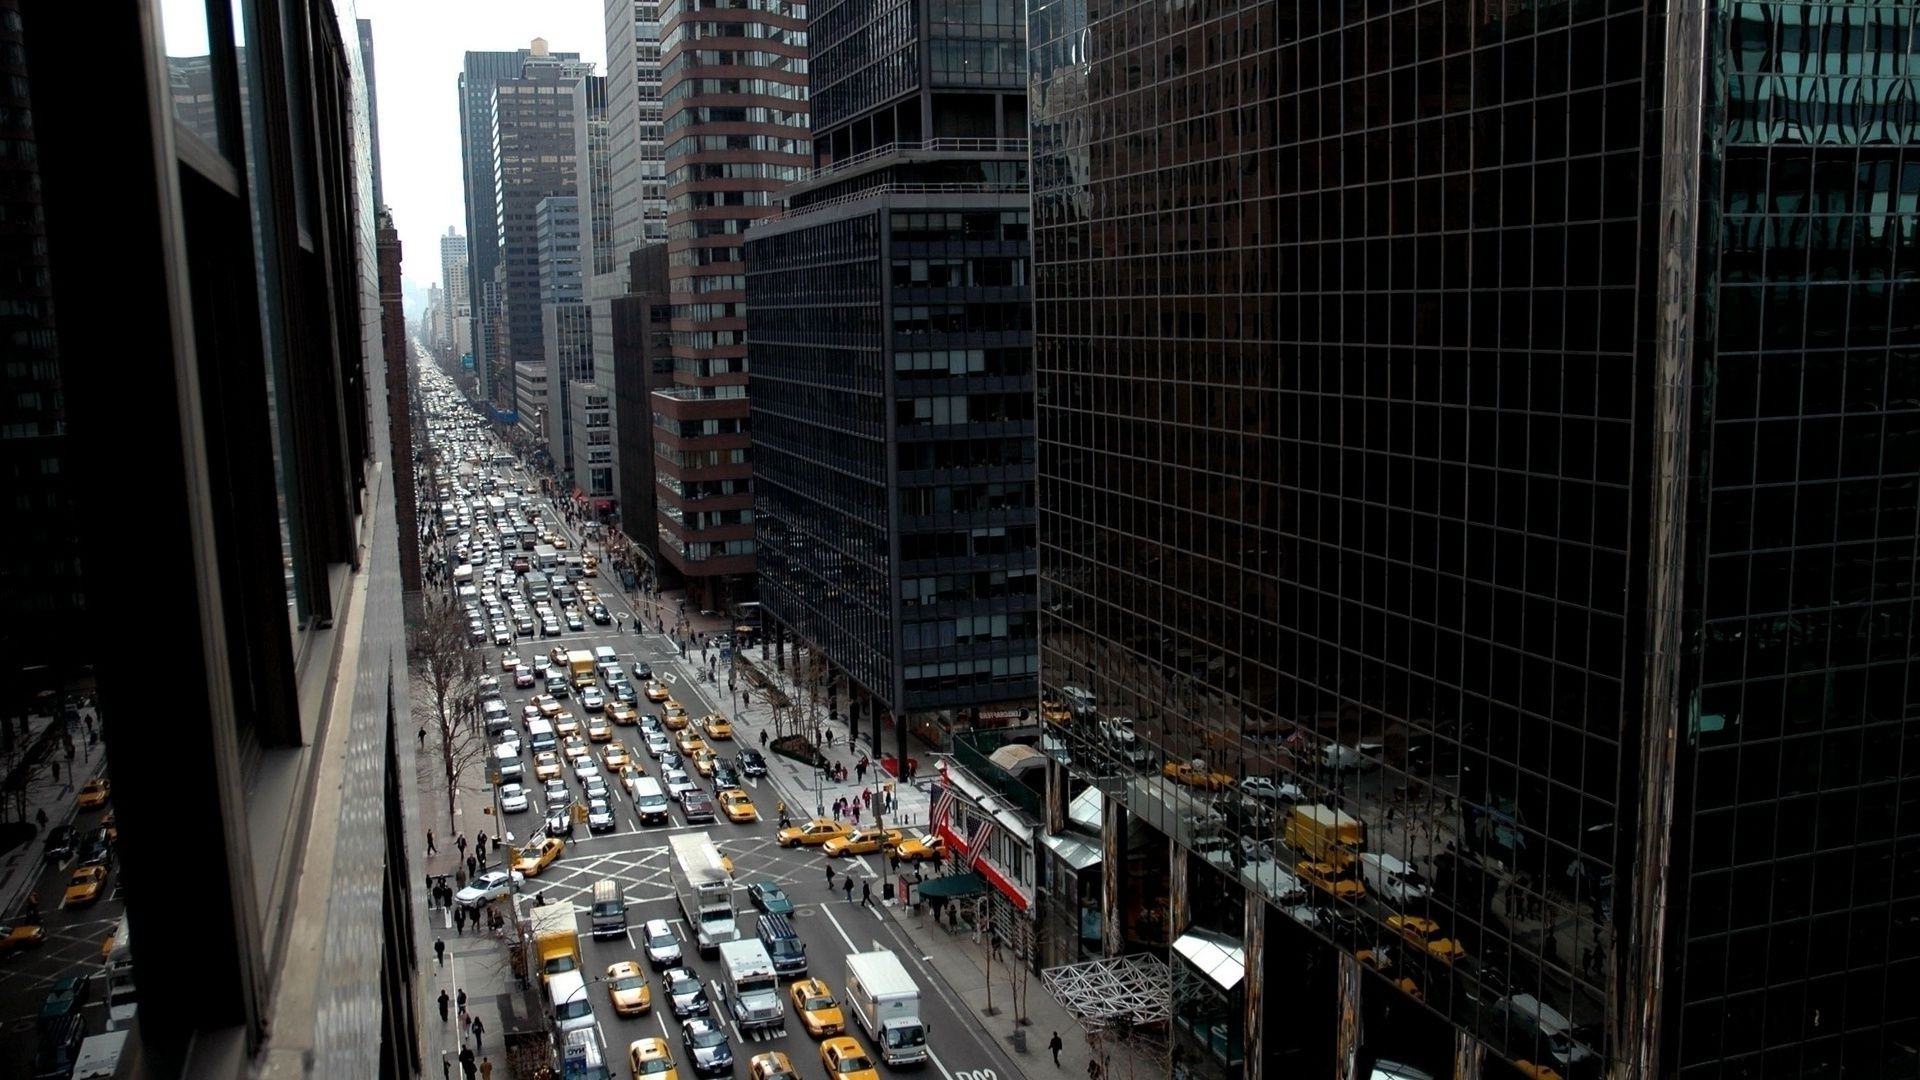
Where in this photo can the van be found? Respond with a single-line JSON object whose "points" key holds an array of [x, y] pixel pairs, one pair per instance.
{"points": [[649, 801], [784, 947], [1529, 1021], [580, 1057], [540, 735], [495, 712], [1391, 879], [603, 658], [572, 1002], [609, 909], [576, 568]]}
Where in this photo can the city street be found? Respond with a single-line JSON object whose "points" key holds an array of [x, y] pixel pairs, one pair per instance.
{"points": [[636, 856]]}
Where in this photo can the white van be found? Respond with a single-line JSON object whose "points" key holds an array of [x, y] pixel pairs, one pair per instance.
{"points": [[572, 1003], [648, 800], [540, 735], [580, 1056], [1387, 877], [1528, 1019], [603, 658]]}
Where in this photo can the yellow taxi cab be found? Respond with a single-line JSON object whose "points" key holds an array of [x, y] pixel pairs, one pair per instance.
{"points": [[1537, 1072], [690, 742], [576, 748], [615, 757], [598, 729], [1324, 877], [674, 721], [772, 1065], [1412, 990], [657, 692], [717, 726], [861, 842], [535, 857], [704, 761], [509, 660], [1426, 934], [651, 1059], [548, 705], [560, 542], [94, 794], [1181, 772], [546, 765], [813, 1003], [623, 714], [675, 709], [590, 561], [812, 833], [738, 806], [627, 989], [846, 1059], [85, 886], [922, 848], [558, 654], [566, 724], [24, 936]]}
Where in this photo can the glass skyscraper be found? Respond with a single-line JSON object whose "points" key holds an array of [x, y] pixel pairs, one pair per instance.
{"points": [[1498, 424]]}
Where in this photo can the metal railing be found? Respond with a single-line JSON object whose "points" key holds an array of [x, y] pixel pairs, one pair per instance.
{"points": [[929, 146]]}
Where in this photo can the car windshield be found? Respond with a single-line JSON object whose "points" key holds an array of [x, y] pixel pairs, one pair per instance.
{"points": [[708, 1037], [656, 1065], [684, 985], [629, 982], [855, 1063], [822, 1002], [913, 1036]]}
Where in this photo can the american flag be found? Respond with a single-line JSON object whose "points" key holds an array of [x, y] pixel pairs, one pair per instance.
{"points": [[942, 805], [979, 833]]}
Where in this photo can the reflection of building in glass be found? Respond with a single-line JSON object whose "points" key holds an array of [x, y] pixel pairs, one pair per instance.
{"points": [[892, 378], [1501, 428]]}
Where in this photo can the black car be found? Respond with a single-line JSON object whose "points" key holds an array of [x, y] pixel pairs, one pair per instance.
{"points": [[642, 670], [697, 805], [707, 1047], [97, 848], [750, 762], [560, 819], [601, 616], [725, 776], [672, 759], [61, 840]]}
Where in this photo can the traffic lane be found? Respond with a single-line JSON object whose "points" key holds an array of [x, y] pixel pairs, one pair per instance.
{"points": [[72, 948]]}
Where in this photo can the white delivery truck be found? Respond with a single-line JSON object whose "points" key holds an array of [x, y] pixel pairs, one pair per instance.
{"points": [[887, 1001], [706, 892], [753, 987], [1392, 879]]}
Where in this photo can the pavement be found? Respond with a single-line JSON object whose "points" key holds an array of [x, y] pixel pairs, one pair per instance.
{"points": [[476, 961], [20, 867]]}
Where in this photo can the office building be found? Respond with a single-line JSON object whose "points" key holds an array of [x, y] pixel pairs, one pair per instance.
{"points": [[482, 71], [363, 29], [643, 342], [251, 444], [734, 88], [453, 283], [534, 420], [1498, 424], [890, 344]]}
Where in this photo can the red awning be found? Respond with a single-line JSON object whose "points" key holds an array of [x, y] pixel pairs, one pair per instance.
{"points": [[984, 868]]}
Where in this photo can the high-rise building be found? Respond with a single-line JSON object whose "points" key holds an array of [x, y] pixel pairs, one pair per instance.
{"points": [[566, 334], [1499, 425], [364, 32], [481, 73], [643, 340], [455, 294], [890, 346], [533, 147], [734, 84], [252, 445]]}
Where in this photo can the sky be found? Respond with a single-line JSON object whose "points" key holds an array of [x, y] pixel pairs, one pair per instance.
{"points": [[418, 49]]}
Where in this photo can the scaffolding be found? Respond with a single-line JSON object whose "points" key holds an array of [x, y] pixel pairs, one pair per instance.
{"points": [[1124, 1004]]}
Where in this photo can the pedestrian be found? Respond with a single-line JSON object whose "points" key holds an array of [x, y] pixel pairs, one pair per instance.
{"points": [[479, 1029], [1054, 1044], [444, 1001], [866, 797], [829, 876], [40, 818], [461, 843], [939, 859], [423, 736], [55, 766], [847, 887], [473, 867], [486, 1068], [894, 857], [866, 893], [855, 811], [460, 921], [431, 849], [446, 1066], [466, 1061], [480, 842], [439, 950], [860, 771]]}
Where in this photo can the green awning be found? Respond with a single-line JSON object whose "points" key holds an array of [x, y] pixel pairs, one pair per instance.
{"points": [[954, 886]]}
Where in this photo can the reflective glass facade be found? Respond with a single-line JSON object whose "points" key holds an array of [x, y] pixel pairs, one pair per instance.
{"points": [[1397, 448]]}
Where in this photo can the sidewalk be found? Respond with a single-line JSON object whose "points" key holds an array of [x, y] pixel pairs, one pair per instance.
{"points": [[20, 867], [961, 960]]}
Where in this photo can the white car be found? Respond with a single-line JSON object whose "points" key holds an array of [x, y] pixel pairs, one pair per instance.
{"points": [[1270, 790], [513, 799], [489, 886], [523, 676], [677, 781], [592, 700], [658, 743]]}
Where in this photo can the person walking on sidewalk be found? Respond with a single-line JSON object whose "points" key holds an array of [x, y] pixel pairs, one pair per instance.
{"points": [[460, 841], [1054, 1044], [431, 849], [486, 1068], [829, 877], [866, 894], [444, 1002], [848, 886], [439, 950], [460, 921], [479, 1029]]}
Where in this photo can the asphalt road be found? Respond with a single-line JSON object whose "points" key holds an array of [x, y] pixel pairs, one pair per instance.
{"points": [[636, 856], [72, 948]]}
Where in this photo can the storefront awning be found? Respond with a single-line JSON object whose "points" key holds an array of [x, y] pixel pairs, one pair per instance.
{"points": [[1073, 850], [953, 886], [1217, 956]]}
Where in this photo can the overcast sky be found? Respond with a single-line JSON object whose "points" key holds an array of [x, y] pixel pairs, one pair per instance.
{"points": [[418, 48]]}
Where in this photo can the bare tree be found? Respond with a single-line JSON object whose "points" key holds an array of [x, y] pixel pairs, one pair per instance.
{"points": [[446, 682]]}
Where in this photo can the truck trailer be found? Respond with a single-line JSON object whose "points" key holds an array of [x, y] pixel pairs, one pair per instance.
{"points": [[701, 881], [887, 1002]]}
